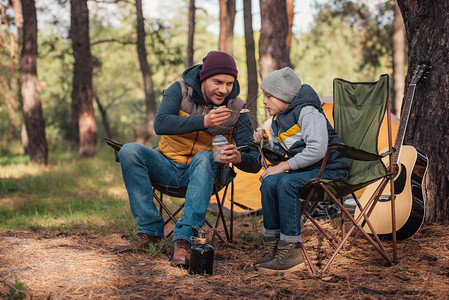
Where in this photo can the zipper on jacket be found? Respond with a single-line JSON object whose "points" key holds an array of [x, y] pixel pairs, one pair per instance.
{"points": [[196, 138], [279, 137]]}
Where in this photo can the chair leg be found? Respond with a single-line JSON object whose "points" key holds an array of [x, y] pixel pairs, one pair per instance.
{"points": [[160, 204], [214, 229], [355, 222], [309, 261], [342, 223], [231, 224], [371, 204], [220, 213], [331, 239]]}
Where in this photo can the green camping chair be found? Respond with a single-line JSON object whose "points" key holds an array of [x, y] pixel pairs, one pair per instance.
{"points": [[358, 112]]}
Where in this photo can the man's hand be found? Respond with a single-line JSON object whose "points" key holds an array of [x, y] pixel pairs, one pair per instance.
{"points": [[230, 154], [258, 136], [216, 117], [280, 168]]}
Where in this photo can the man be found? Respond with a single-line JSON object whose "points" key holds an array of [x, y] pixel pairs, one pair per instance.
{"points": [[192, 111]]}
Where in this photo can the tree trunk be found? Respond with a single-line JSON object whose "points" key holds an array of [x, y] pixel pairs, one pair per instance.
{"points": [[398, 60], [427, 30], [18, 20], [251, 101], [83, 118], [32, 108], [144, 131], [290, 15], [227, 18], [191, 34], [273, 54]]}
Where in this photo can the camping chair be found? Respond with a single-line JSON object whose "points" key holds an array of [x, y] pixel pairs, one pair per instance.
{"points": [[358, 112], [159, 190]]}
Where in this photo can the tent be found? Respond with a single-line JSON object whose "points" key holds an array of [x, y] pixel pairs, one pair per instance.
{"points": [[246, 190]]}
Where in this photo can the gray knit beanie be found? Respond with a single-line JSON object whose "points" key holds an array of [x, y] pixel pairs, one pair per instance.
{"points": [[283, 84]]}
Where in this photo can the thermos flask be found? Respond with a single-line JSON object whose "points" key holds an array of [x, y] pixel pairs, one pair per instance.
{"points": [[201, 257]]}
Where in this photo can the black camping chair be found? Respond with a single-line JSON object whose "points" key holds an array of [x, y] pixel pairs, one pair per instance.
{"points": [[226, 181]]}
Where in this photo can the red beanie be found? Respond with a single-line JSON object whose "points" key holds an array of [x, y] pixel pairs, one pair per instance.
{"points": [[217, 62]]}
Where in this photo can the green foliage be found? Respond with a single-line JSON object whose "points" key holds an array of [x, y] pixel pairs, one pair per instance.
{"points": [[346, 40], [18, 290]]}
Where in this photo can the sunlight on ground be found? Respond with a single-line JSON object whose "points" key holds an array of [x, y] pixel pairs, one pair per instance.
{"points": [[58, 266], [19, 170]]}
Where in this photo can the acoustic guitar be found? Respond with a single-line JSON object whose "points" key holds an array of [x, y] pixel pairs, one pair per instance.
{"points": [[411, 166]]}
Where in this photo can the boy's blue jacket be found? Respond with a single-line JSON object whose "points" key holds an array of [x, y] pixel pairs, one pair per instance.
{"points": [[283, 125]]}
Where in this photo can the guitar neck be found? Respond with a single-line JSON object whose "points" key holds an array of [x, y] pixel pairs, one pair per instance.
{"points": [[404, 121]]}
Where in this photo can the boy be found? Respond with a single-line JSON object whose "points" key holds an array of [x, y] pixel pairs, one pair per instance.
{"points": [[301, 133]]}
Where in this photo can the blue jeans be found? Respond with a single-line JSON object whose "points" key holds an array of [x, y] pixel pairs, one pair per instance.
{"points": [[281, 206], [142, 165]]}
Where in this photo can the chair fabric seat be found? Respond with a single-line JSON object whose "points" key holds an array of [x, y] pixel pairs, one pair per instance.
{"points": [[358, 177]]}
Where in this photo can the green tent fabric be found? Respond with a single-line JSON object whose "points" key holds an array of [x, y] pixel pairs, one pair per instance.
{"points": [[358, 112]]}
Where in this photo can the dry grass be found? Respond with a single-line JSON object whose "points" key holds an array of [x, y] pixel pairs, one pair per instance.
{"points": [[58, 265]]}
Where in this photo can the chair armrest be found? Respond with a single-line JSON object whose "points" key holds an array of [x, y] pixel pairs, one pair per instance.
{"points": [[116, 146], [351, 153], [355, 153]]}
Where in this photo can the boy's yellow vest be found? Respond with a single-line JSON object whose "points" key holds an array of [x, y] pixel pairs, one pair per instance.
{"points": [[181, 148]]}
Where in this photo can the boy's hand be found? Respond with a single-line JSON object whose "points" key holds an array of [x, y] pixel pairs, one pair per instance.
{"points": [[258, 136], [280, 168], [230, 154], [216, 117]]}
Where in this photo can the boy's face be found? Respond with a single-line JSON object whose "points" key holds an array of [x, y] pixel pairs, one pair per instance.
{"points": [[216, 88], [273, 105]]}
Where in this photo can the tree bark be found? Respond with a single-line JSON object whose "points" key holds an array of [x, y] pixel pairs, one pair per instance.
{"points": [[191, 34], [427, 31], [18, 20], [32, 108], [84, 127], [251, 65], [273, 54], [290, 15], [398, 60], [227, 18], [144, 131]]}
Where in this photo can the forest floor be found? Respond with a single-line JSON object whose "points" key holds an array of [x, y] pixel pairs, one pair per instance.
{"points": [[62, 265]]}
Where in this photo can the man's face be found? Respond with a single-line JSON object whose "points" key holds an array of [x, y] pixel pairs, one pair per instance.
{"points": [[216, 88]]}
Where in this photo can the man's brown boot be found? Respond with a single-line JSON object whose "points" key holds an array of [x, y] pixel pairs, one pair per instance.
{"points": [[181, 253], [142, 242]]}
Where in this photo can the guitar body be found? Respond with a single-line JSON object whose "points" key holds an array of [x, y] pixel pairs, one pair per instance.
{"points": [[409, 204]]}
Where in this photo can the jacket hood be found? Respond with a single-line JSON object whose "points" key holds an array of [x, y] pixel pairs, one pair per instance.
{"points": [[307, 96], [191, 76]]}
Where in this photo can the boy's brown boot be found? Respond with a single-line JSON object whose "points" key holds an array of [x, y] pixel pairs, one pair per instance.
{"points": [[288, 259], [270, 246]]}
